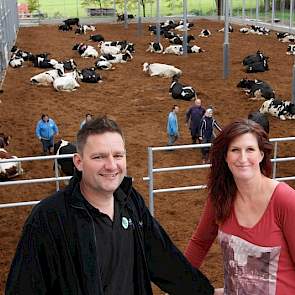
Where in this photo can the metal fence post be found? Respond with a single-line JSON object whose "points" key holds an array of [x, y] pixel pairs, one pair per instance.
{"points": [[151, 180], [56, 174], [275, 152]]}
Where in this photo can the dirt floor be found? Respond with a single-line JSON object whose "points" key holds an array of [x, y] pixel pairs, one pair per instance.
{"points": [[140, 104]]}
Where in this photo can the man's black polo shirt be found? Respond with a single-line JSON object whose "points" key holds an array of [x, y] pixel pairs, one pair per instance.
{"points": [[115, 248]]}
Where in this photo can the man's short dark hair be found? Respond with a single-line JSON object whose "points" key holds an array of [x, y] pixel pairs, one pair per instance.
{"points": [[98, 125]]}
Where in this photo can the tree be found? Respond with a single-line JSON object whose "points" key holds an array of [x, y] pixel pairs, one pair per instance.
{"points": [[33, 5]]}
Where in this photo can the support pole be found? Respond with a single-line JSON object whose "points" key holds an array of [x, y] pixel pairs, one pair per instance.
{"points": [[139, 27], [158, 21], [226, 43], [125, 15], [184, 41]]}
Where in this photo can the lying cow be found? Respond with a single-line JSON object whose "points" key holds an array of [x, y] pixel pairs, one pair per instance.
{"points": [[85, 50], [180, 91], [253, 58], [178, 49], [178, 40], [291, 49], [278, 108], [65, 28], [16, 62], [121, 17], [68, 82], [286, 37], [117, 58], [205, 33], [65, 166], [96, 38], [103, 65], [162, 70], [256, 89], [89, 75], [82, 29], [72, 21], [256, 67], [10, 169], [155, 47], [47, 78], [230, 29]]}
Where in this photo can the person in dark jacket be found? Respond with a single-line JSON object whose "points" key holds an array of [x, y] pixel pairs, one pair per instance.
{"points": [[97, 237], [208, 123], [194, 117]]}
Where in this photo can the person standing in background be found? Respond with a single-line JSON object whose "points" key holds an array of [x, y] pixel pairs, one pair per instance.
{"points": [[46, 129], [193, 118], [208, 124], [88, 117], [172, 125]]}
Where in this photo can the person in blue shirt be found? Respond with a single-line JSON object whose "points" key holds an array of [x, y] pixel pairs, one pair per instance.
{"points": [[46, 129], [172, 125]]}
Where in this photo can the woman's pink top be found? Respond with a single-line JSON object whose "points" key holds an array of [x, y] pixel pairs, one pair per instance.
{"points": [[257, 260]]}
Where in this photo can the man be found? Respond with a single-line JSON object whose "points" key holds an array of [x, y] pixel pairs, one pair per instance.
{"points": [[97, 236], [194, 116], [46, 129], [172, 125]]}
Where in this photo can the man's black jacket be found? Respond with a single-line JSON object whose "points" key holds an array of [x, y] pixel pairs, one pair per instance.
{"points": [[57, 251]]}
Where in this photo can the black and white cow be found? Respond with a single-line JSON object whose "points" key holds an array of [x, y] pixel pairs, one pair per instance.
{"points": [[72, 21], [253, 58], [65, 166], [291, 49], [103, 65], [205, 33], [155, 47], [69, 64], [65, 28], [178, 49], [97, 38], [121, 17], [16, 62], [82, 29], [256, 89], [8, 170], [256, 67], [281, 109], [180, 91], [178, 40], [230, 29], [117, 58], [161, 70], [85, 50], [47, 78], [286, 37], [259, 30], [89, 75]]}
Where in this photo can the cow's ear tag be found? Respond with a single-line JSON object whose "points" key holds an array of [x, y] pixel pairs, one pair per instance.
{"points": [[125, 222]]}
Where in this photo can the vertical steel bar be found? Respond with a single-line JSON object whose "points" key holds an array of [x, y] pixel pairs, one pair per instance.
{"points": [[151, 180]]}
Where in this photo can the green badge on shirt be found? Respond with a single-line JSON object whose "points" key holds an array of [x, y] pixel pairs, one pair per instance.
{"points": [[125, 222]]}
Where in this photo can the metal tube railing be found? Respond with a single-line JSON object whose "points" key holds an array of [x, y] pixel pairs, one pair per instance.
{"points": [[152, 170]]}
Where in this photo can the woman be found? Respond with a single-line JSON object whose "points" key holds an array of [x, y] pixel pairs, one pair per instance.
{"points": [[252, 215]]}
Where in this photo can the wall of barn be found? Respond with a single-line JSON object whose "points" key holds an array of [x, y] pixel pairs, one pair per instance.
{"points": [[8, 30]]}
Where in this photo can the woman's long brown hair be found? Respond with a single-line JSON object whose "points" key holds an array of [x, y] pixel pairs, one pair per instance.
{"points": [[221, 185]]}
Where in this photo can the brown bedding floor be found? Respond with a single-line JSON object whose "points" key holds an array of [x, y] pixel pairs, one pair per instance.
{"points": [[140, 104]]}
